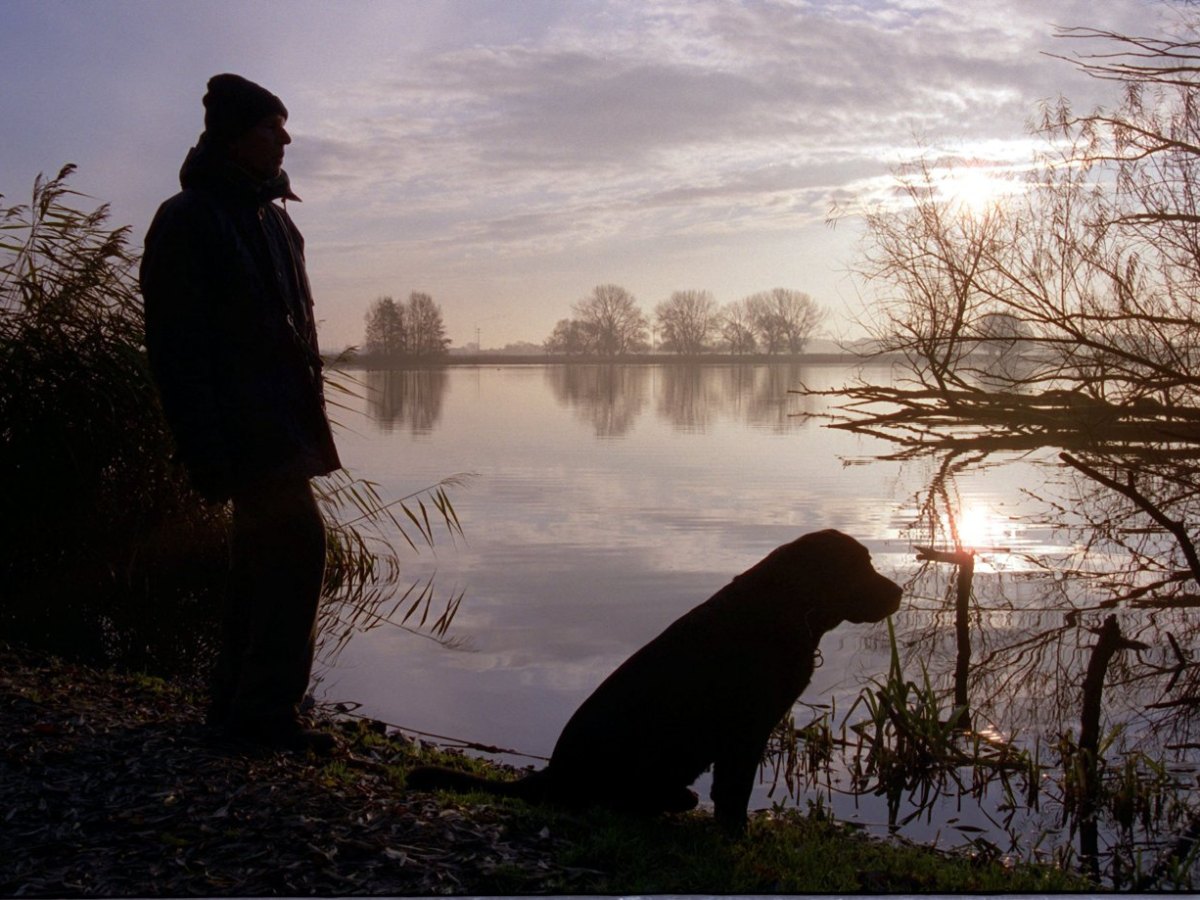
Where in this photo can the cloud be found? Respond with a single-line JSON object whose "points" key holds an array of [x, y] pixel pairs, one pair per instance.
{"points": [[486, 143], [676, 98], [611, 128]]}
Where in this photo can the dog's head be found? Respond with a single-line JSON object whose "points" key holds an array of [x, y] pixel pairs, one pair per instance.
{"points": [[834, 572]]}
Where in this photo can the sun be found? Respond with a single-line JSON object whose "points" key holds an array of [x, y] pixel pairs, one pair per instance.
{"points": [[974, 188]]}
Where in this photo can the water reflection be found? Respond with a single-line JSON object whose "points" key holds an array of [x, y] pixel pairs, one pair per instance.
{"points": [[612, 397], [582, 547], [608, 397], [409, 399], [1028, 651], [691, 397]]}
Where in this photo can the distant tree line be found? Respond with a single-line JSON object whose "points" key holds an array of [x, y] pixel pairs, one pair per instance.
{"points": [[608, 322], [405, 330]]}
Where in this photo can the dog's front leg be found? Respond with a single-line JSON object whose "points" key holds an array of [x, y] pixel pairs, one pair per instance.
{"points": [[733, 779]]}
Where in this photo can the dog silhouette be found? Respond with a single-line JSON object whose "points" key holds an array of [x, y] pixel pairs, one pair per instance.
{"points": [[707, 691]]}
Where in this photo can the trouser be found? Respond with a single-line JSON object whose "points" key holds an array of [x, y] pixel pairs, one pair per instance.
{"points": [[278, 562]]}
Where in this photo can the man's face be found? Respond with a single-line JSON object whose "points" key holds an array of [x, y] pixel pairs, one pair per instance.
{"points": [[260, 150]]}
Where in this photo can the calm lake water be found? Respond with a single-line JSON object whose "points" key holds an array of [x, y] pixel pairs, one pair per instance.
{"points": [[607, 500]]}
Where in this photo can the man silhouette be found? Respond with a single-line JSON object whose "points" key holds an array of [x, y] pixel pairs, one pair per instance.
{"points": [[233, 348]]}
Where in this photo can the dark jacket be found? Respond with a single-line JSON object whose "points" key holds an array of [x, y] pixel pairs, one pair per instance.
{"points": [[230, 331]]}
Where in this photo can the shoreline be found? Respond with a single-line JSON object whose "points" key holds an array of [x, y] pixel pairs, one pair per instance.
{"points": [[114, 787], [641, 359]]}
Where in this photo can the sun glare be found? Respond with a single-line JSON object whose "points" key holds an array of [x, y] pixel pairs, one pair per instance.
{"points": [[975, 188], [979, 528]]}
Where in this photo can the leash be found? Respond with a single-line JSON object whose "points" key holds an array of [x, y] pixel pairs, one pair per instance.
{"points": [[458, 743]]}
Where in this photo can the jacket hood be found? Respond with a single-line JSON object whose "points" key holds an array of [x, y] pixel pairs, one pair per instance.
{"points": [[204, 168]]}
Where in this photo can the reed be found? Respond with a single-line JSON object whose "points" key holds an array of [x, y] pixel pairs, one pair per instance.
{"points": [[105, 551]]}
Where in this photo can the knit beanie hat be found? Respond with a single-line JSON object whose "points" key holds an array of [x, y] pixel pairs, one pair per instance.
{"points": [[234, 105]]}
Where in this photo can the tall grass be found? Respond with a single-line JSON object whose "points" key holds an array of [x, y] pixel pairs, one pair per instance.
{"points": [[105, 551], [910, 744]]}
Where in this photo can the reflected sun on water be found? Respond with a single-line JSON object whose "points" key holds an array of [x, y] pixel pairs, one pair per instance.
{"points": [[981, 529]]}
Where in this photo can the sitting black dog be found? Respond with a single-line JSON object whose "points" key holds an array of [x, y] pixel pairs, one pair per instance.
{"points": [[706, 692]]}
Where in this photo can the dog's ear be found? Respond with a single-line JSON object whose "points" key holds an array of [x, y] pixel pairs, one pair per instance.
{"points": [[827, 555], [813, 549], [835, 570]]}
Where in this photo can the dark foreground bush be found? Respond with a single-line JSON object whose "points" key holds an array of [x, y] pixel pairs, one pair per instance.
{"points": [[104, 551]]}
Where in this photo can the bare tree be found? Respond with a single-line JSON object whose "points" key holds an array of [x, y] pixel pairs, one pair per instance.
{"points": [[801, 316], [1150, 146], [768, 330], [1092, 270], [1097, 258], [784, 320], [688, 321], [611, 313], [1100, 313], [571, 337], [414, 328], [386, 328], [928, 260], [426, 331], [737, 327], [1090, 275]]}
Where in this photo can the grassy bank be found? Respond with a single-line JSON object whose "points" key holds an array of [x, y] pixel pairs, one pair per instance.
{"points": [[114, 787]]}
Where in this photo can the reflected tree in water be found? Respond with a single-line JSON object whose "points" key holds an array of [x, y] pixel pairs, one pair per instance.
{"points": [[692, 397], [1036, 631], [408, 399], [608, 397], [1031, 759], [761, 395], [688, 398]]}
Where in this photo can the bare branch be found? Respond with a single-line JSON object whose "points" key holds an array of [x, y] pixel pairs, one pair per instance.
{"points": [[1129, 490]]}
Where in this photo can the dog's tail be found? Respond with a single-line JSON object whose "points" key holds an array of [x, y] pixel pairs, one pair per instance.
{"points": [[531, 787]]}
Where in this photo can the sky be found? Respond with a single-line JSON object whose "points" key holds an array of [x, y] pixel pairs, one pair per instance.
{"points": [[507, 156]]}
